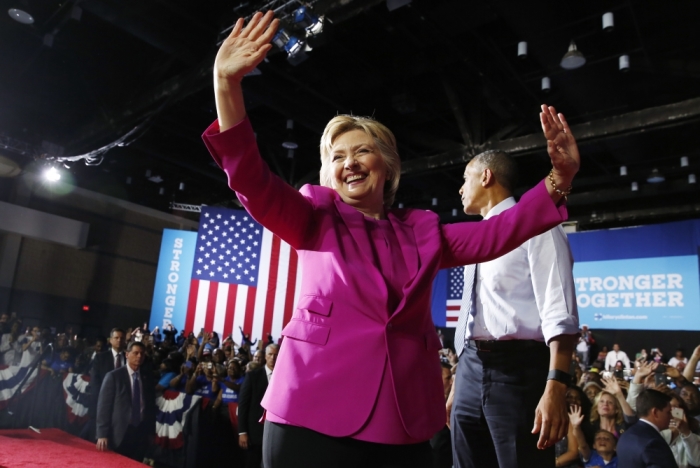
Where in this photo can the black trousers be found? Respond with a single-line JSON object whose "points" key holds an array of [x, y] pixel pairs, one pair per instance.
{"points": [[493, 412], [136, 441], [287, 446]]}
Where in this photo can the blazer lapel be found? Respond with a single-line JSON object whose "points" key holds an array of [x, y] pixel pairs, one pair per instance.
{"points": [[355, 222]]}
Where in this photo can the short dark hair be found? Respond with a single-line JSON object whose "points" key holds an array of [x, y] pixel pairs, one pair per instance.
{"points": [[612, 436], [503, 167], [649, 399], [114, 330], [135, 343]]}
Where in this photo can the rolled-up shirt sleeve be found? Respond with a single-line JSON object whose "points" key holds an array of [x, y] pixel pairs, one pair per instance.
{"points": [[551, 270]]}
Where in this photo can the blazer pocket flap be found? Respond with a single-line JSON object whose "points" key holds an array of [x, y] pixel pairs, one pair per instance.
{"points": [[307, 331], [432, 341], [316, 304]]}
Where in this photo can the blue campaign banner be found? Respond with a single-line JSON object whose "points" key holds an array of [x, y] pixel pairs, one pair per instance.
{"points": [[173, 278], [661, 293]]}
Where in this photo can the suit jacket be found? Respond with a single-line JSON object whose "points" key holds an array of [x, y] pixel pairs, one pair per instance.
{"points": [[249, 408], [341, 337], [642, 446], [101, 365], [114, 405]]}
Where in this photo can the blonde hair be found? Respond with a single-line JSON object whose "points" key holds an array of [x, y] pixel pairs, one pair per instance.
{"points": [[618, 409], [383, 138]]}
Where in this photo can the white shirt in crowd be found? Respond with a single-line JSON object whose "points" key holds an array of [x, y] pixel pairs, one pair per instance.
{"points": [[508, 308], [673, 362], [614, 356]]}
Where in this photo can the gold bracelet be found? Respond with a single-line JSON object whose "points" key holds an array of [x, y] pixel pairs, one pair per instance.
{"points": [[558, 191]]}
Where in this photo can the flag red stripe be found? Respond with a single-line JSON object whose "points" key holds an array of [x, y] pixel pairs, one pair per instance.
{"points": [[250, 311], [191, 306], [291, 286], [271, 285], [211, 307], [230, 309]]}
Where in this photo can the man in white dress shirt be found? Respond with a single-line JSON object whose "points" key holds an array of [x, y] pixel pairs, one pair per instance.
{"points": [[614, 356], [506, 410]]}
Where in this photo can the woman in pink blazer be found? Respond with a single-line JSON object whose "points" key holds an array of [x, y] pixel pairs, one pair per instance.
{"points": [[358, 382]]}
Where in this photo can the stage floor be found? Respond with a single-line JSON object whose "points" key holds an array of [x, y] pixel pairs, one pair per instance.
{"points": [[53, 447]]}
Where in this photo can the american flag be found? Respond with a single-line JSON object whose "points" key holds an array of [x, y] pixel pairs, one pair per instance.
{"points": [[243, 276], [455, 287]]}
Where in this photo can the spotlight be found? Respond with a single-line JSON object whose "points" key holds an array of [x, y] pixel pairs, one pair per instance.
{"points": [[623, 170], [691, 178], [20, 16], [608, 22], [635, 186], [52, 174], [684, 161], [290, 44], [435, 202], [307, 20], [546, 84], [655, 177], [400, 205], [290, 142], [624, 63], [454, 212], [522, 50], [182, 186], [573, 58]]}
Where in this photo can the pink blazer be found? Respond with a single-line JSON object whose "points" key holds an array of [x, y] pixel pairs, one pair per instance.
{"points": [[341, 334]]}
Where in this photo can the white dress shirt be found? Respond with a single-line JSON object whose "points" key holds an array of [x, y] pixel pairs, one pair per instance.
{"points": [[268, 371], [527, 294], [114, 357], [614, 356]]}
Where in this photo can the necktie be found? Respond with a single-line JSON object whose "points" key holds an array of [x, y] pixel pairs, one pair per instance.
{"points": [[135, 400], [466, 309], [119, 361]]}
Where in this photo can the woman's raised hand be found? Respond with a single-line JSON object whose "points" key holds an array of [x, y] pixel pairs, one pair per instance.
{"points": [[561, 146], [245, 47], [575, 415]]}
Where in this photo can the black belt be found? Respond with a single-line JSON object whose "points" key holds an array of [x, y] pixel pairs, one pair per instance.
{"points": [[504, 345]]}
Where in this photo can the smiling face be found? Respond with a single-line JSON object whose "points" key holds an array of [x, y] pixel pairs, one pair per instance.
{"points": [[359, 171], [605, 442]]}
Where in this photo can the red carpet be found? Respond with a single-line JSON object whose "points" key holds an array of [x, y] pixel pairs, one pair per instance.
{"points": [[53, 447]]}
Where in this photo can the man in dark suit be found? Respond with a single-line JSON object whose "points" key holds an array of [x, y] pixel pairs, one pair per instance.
{"points": [[126, 408], [642, 445], [102, 363], [250, 435]]}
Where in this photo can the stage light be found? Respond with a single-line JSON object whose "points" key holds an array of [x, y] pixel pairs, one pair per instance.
{"points": [[20, 16], [161, 191], [624, 63], [522, 49], [691, 178], [623, 170], [435, 202], [573, 58], [306, 19], [655, 177], [52, 174], [546, 84], [182, 186], [290, 44], [454, 212], [635, 186], [684, 161], [400, 205], [608, 21]]}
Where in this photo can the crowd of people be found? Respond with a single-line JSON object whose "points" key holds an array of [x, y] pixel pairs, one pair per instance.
{"points": [[204, 364], [608, 399]]}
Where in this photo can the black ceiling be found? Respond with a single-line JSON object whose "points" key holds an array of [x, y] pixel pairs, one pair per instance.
{"points": [[442, 74]]}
